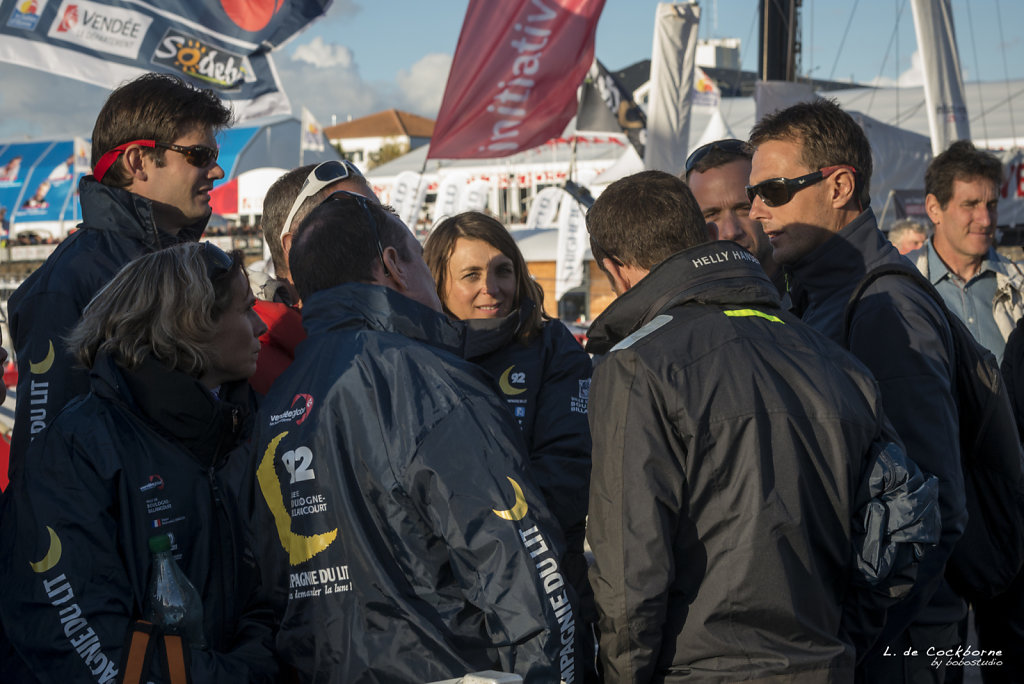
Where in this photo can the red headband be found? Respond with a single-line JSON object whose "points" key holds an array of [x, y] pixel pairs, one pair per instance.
{"points": [[109, 157]]}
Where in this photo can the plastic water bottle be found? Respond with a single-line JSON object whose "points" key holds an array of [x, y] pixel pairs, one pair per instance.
{"points": [[174, 603]]}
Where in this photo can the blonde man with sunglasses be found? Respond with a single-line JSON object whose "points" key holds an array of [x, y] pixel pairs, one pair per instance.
{"points": [[809, 188], [154, 156], [288, 201]]}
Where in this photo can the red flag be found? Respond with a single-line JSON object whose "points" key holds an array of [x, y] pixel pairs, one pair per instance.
{"points": [[513, 81]]}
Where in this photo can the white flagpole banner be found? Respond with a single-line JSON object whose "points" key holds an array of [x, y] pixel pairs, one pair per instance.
{"points": [[673, 59], [312, 132], [448, 191], [220, 45], [474, 196], [572, 231], [407, 196], [544, 210], [943, 80]]}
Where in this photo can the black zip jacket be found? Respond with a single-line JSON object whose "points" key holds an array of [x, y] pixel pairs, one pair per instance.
{"points": [[145, 452], [900, 334], [546, 384], [733, 449], [117, 226], [401, 525]]}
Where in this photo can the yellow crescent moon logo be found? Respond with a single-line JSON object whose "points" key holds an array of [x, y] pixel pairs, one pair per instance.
{"points": [[519, 509], [41, 367], [52, 556], [300, 548], [505, 386]]}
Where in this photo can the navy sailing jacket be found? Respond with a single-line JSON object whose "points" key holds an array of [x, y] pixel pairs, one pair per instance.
{"points": [[399, 521], [117, 226]]}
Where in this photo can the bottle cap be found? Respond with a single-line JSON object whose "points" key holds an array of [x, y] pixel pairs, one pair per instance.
{"points": [[159, 543]]}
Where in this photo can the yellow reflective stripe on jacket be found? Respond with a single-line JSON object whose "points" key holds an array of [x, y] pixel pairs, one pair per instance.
{"points": [[753, 312]]}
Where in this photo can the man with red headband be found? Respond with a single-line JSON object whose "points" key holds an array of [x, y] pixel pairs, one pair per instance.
{"points": [[154, 159]]}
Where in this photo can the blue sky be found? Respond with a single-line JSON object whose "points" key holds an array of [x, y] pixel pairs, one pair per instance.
{"points": [[365, 56]]}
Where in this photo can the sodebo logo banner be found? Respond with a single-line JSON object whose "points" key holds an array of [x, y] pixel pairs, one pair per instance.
{"points": [[103, 28], [199, 59]]}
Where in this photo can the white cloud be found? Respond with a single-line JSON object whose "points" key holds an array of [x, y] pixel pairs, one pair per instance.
{"points": [[321, 54], [422, 85], [912, 77], [325, 78]]}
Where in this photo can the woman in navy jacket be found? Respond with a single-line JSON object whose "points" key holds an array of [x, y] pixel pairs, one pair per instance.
{"points": [[159, 445], [541, 370]]}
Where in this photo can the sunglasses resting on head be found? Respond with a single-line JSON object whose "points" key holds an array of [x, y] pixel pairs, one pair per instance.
{"points": [[324, 174]]}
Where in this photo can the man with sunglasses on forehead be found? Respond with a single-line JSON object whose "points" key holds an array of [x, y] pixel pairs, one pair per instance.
{"points": [[809, 188], [717, 174], [288, 201], [391, 466], [154, 157]]}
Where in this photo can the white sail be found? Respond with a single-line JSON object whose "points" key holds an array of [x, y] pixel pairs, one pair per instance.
{"points": [[943, 81], [673, 58]]}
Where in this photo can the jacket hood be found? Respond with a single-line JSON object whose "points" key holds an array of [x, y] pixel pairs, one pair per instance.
{"points": [[178, 405], [718, 272], [119, 211], [362, 306]]}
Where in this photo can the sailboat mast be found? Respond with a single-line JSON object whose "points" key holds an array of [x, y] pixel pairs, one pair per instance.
{"points": [[779, 58]]}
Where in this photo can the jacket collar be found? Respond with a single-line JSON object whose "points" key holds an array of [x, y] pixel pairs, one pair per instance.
{"points": [[1007, 272], [118, 211], [713, 273], [840, 263], [178, 405], [362, 306], [486, 335]]}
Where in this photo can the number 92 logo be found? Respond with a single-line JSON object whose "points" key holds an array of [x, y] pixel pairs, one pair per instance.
{"points": [[298, 463]]}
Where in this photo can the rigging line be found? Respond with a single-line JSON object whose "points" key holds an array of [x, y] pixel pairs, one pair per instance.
{"points": [[977, 65], [1008, 101], [1006, 72], [892, 38], [896, 63], [839, 52], [909, 113]]}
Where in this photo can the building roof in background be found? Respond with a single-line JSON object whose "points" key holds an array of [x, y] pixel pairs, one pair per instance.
{"points": [[390, 122]]}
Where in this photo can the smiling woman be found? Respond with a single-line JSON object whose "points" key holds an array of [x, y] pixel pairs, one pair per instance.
{"points": [[160, 444], [541, 370]]}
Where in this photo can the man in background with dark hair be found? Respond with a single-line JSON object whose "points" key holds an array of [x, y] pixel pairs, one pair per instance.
{"points": [[397, 507], [730, 443], [986, 291], [291, 198], [154, 156], [983, 288], [717, 174], [810, 189]]}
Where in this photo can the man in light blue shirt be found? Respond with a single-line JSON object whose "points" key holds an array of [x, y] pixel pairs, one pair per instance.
{"points": [[983, 288]]}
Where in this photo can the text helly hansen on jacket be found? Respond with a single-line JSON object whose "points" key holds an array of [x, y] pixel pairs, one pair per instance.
{"points": [[117, 227], [146, 452], [731, 447], [407, 540]]}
